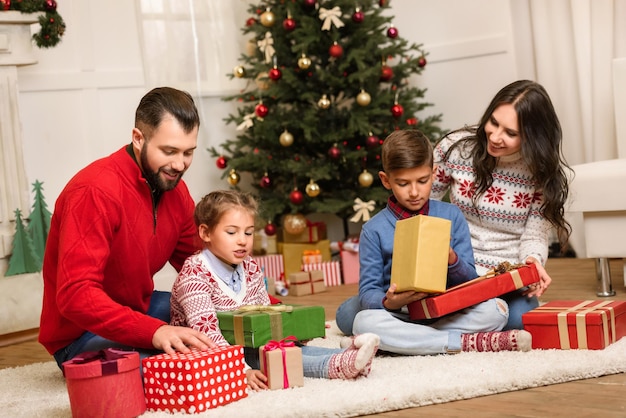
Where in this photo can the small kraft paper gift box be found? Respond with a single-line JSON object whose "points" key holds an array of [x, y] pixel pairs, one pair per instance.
{"points": [[314, 231], [311, 256], [281, 362], [306, 283], [475, 291], [576, 324], [420, 254], [105, 383], [292, 253], [331, 271], [255, 325], [196, 381]]}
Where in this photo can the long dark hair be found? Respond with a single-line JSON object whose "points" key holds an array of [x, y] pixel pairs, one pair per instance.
{"points": [[541, 138]]}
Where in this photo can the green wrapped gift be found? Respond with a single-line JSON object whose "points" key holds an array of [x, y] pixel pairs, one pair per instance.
{"points": [[254, 326]]}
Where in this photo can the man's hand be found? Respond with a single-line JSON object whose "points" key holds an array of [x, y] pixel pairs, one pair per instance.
{"points": [[394, 301], [170, 339]]}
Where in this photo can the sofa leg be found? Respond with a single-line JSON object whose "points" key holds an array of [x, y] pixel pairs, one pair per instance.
{"points": [[603, 273]]}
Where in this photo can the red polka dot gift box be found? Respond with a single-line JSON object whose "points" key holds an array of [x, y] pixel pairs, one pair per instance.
{"points": [[196, 381]]}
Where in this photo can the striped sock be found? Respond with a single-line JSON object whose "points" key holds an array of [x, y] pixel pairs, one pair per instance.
{"points": [[513, 340]]}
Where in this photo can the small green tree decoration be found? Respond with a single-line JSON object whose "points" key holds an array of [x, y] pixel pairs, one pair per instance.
{"points": [[39, 220], [24, 258]]}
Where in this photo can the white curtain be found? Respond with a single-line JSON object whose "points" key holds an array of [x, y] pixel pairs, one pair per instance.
{"points": [[574, 43]]}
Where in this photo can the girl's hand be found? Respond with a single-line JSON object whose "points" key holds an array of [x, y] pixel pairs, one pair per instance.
{"points": [[256, 380], [537, 289], [394, 301]]}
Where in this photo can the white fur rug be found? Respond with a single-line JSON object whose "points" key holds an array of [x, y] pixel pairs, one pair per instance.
{"points": [[38, 390]]}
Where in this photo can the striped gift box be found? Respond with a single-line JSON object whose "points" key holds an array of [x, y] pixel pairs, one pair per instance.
{"points": [[272, 265], [331, 270]]}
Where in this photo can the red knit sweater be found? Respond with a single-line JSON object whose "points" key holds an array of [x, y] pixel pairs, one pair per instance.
{"points": [[104, 246]]}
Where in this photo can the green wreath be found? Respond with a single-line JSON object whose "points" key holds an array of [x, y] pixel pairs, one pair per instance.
{"points": [[51, 22]]}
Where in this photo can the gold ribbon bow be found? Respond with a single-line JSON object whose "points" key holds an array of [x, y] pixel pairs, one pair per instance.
{"points": [[362, 210], [247, 122], [266, 46], [331, 17]]}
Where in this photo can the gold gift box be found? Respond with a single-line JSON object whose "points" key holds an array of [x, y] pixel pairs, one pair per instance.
{"points": [[292, 253], [421, 245]]}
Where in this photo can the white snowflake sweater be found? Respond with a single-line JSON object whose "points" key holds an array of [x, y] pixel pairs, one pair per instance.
{"points": [[197, 294], [506, 224]]}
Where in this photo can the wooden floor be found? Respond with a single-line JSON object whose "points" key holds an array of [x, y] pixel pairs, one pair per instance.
{"points": [[572, 279]]}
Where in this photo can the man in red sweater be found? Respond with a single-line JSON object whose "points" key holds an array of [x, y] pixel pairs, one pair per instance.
{"points": [[118, 222]]}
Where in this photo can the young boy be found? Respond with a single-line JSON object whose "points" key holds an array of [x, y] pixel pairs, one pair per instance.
{"points": [[407, 158]]}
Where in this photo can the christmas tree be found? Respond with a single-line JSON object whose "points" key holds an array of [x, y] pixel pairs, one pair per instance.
{"points": [[23, 259], [327, 81], [39, 220]]}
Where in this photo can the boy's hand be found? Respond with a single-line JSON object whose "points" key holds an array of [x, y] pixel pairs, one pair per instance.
{"points": [[256, 379], [452, 257], [394, 301]]}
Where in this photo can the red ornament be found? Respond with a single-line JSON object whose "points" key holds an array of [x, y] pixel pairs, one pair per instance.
{"points": [[383, 3], [275, 74], [309, 3], [411, 121], [289, 24], [392, 32], [372, 141], [422, 61], [397, 110], [358, 16], [265, 182], [334, 152], [335, 50], [296, 197], [251, 21], [261, 110], [5, 4], [270, 229], [386, 73], [50, 5], [221, 162]]}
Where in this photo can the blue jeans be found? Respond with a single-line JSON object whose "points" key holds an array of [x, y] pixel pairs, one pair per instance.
{"points": [[315, 360], [518, 305], [159, 308], [345, 314], [400, 335]]}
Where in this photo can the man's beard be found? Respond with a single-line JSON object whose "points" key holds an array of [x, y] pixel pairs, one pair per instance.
{"points": [[153, 177]]}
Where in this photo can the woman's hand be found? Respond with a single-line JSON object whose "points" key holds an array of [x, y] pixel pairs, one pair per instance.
{"points": [[537, 289], [394, 301], [256, 379]]}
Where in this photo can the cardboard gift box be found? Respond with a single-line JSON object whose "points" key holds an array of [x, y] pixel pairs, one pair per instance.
{"points": [[306, 283], [272, 265], [576, 324], [350, 266], [314, 231], [196, 381], [105, 383], [331, 271], [473, 292], [253, 326], [281, 362], [420, 254], [292, 253]]}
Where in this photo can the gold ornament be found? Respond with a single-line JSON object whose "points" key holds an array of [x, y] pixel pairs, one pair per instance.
{"points": [[312, 189], [363, 98], [268, 19], [324, 103], [304, 62], [366, 179], [262, 81], [294, 223], [233, 177], [239, 71], [286, 138]]}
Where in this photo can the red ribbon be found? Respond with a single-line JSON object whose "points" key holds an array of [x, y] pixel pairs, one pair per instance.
{"points": [[310, 225], [108, 357], [280, 345]]}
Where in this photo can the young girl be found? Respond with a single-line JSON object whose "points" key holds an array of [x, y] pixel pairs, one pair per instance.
{"points": [[507, 175], [223, 277]]}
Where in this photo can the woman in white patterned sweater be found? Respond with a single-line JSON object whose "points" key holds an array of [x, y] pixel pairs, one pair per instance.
{"points": [[507, 175], [224, 277]]}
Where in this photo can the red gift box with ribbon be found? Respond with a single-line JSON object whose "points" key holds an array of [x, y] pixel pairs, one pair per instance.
{"points": [[281, 362], [576, 324], [105, 383], [473, 292], [196, 381], [314, 231]]}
